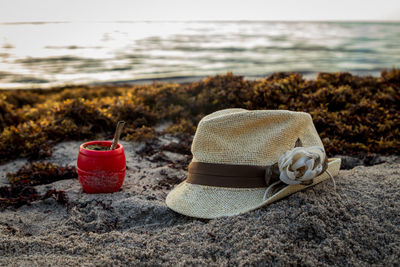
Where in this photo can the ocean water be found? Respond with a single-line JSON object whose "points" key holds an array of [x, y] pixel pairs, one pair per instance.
{"points": [[46, 54]]}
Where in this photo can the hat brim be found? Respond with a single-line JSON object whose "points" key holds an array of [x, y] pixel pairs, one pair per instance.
{"points": [[210, 202]]}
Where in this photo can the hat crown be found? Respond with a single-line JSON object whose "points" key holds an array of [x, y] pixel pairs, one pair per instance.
{"points": [[251, 137]]}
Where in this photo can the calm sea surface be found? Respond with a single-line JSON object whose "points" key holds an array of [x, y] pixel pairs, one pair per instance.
{"points": [[44, 54]]}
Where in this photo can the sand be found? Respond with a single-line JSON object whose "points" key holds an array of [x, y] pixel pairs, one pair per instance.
{"points": [[356, 226]]}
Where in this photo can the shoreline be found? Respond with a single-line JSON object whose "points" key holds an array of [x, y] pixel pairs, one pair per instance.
{"points": [[307, 75]]}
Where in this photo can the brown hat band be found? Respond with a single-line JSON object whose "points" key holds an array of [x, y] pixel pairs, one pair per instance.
{"points": [[226, 175]]}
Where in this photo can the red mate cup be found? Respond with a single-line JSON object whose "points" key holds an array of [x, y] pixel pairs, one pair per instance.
{"points": [[101, 171]]}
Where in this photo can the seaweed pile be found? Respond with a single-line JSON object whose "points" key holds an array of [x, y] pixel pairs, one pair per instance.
{"points": [[22, 191], [41, 173], [17, 196], [353, 115]]}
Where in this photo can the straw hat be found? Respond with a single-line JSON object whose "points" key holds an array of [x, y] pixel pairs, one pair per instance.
{"points": [[243, 160]]}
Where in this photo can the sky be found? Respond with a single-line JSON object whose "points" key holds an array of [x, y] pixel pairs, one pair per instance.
{"points": [[139, 10]]}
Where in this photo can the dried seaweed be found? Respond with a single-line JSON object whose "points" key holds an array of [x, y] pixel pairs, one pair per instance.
{"points": [[180, 148], [181, 164], [18, 195], [148, 149], [41, 173], [141, 134], [353, 115], [167, 182]]}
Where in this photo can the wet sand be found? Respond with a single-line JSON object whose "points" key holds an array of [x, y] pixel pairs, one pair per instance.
{"points": [[356, 225]]}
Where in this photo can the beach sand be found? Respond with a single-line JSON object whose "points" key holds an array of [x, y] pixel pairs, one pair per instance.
{"points": [[356, 225]]}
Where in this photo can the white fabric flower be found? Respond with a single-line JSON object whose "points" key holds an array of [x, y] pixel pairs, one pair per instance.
{"points": [[301, 164]]}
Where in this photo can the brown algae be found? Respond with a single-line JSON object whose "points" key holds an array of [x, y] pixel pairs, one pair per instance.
{"points": [[354, 115]]}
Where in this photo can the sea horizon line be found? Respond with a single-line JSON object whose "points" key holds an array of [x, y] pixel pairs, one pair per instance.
{"points": [[197, 21]]}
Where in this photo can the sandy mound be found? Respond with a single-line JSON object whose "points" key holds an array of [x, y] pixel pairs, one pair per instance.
{"points": [[358, 225]]}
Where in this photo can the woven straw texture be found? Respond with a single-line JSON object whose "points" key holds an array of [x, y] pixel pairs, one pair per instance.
{"points": [[239, 136], [260, 137]]}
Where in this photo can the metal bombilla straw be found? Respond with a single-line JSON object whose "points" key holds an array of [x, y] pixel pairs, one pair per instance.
{"points": [[117, 134]]}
